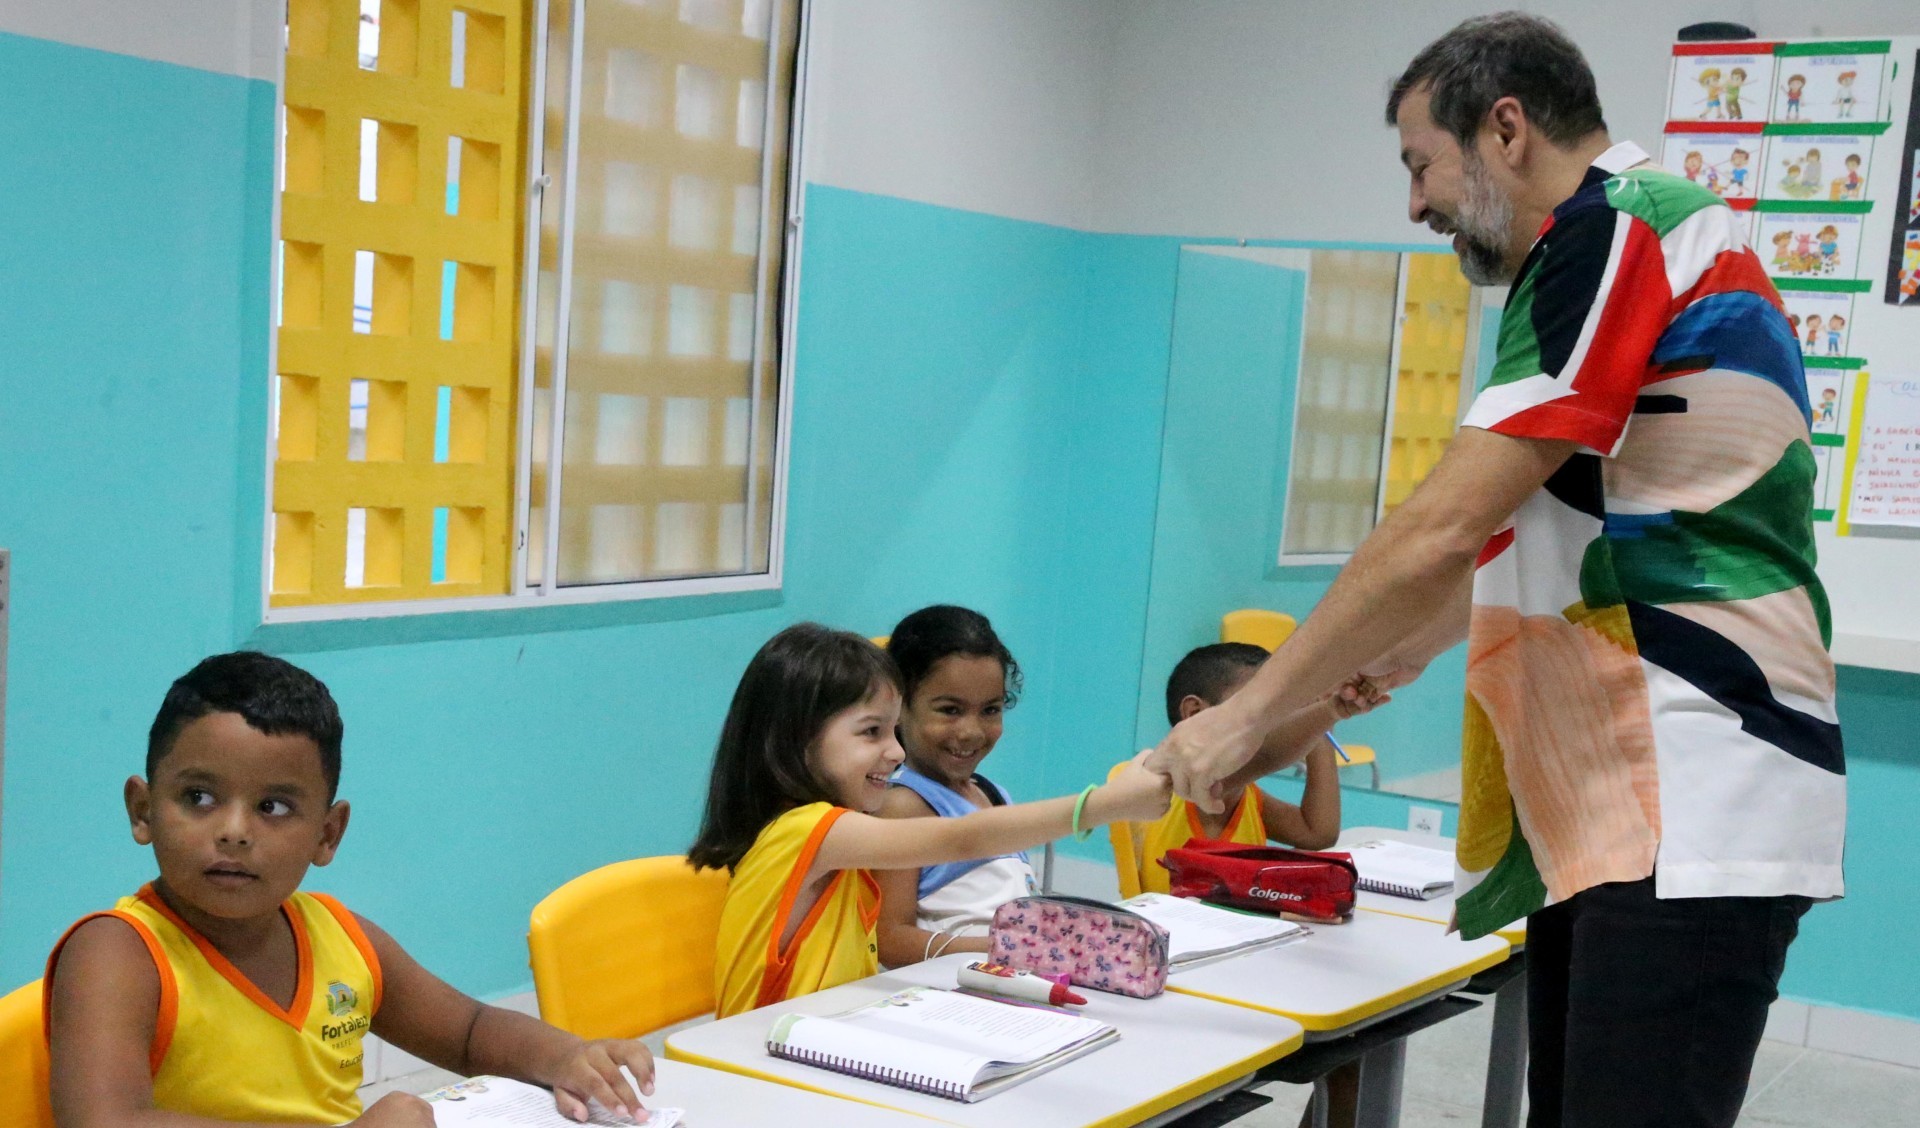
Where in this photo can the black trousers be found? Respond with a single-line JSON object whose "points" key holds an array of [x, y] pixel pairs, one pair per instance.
{"points": [[1648, 1012]]}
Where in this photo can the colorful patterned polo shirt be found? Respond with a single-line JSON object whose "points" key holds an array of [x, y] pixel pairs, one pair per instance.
{"points": [[1648, 685]]}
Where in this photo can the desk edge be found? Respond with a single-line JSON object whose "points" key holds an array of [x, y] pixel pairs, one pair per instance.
{"points": [[1322, 1023]]}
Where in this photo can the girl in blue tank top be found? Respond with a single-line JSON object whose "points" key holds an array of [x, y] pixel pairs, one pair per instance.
{"points": [[960, 680]]}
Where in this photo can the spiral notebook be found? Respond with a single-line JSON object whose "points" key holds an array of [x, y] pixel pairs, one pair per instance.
{"points": [[942, 1043], [1199, 933], [1402, 870]]}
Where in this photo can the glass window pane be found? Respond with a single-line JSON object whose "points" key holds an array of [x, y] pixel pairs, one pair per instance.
{"points": [[670, 418]]}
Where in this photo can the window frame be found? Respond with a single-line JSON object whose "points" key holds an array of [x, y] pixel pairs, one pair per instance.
{"points": [[785, 290], [1478, 304]]}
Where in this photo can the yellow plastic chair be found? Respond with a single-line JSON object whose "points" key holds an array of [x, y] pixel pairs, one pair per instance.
{"points": [[1359, 755], [23, 1061], [628, 948], [1265, 629]]}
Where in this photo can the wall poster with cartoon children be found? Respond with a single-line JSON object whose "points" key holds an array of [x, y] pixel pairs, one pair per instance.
{"points": [[1903, 255], [1721, 82], [1820, 320], [1727, 164], [1829, 81], [1817, 167], [1824, 387], [1808, 245]]}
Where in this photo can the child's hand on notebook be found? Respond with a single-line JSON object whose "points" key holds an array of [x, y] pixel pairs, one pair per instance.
{"points": [[396, 1110], [593, 1072]]}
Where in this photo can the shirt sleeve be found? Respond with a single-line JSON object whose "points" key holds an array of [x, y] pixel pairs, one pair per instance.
{"points": [[1578, 333]]}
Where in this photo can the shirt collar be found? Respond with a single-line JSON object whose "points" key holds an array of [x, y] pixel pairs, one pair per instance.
{"points": [[1620, 158]]}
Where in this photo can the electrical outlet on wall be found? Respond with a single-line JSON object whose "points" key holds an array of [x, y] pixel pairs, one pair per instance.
{"points": [[1423, 820]]}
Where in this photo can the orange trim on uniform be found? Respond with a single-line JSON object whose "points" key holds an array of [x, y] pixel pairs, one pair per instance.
{"points": [[164, 1020], [1233, 820], [294, 1015], [773, 984], [870, 917], [351, 925]]}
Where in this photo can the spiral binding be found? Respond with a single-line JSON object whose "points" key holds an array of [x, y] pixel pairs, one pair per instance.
{"points": [[885, 1075], [1372, 885]]}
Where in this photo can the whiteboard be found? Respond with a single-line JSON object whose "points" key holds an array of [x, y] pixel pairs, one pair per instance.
{"points": [[1869, 578]]}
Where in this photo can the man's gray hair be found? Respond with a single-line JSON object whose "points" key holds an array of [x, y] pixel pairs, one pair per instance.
{"points": [[1492, 57]]}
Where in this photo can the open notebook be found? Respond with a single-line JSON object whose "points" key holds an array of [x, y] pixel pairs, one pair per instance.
{"points": [[939, 1042], [496, 1102], [1401, 869], [1198, 932]]}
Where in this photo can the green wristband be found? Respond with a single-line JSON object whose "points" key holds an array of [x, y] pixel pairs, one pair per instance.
{"points": [[1080, 833]]}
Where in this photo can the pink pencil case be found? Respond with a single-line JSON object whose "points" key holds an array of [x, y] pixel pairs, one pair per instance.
{"points": [[1094, 944]]}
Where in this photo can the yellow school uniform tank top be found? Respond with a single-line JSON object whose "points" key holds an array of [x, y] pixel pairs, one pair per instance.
{"points": [[223, 1050], [1181, 824], [834, 944]]}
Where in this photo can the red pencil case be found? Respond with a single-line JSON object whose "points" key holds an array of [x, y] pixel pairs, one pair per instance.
{"points": [[1267, 879]]}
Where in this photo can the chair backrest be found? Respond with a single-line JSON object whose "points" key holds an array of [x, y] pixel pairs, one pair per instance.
{"points": [[1127, 840], [1266, 629], [23, 1061], [627, 948]]}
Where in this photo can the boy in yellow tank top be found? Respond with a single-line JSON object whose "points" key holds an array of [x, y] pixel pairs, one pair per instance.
{"points": [[220, 993], [1204, 678]]}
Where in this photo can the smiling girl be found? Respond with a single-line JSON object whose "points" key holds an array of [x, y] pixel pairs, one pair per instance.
{"points": [[799, 774], [960, 680]]}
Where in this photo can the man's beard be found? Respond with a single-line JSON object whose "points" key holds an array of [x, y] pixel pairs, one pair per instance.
{"points": [[1484, 223]]}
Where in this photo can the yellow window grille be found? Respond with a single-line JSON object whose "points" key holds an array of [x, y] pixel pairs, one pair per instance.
{"points": [[400, 213], [1433, 348]]}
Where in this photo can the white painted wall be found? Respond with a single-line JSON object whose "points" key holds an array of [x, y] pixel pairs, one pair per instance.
{"points": [[1262, 118], [229, 36], [988, 105]]}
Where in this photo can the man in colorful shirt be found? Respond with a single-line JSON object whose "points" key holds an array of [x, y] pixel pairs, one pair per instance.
{"points": [[1651, 768]]}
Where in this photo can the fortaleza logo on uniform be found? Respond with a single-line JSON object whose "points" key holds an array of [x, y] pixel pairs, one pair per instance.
{"points": [[336, 1033], [341, 999]]}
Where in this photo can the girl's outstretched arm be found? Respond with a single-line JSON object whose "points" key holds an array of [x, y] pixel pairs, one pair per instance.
{"points": [[859, 841]]}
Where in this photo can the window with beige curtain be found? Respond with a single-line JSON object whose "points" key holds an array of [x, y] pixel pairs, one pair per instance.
{"points": [[1387, 342], [657, 299], [490, 207]]}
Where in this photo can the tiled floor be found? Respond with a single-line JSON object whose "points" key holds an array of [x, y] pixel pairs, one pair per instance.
{"points": [[1447, 1068], [1792, 1087]]}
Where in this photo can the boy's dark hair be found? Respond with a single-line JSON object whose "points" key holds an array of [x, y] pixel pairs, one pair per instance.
{"points": [[792, 688], [1209, 672], [1488, 58], [272, 695], [923, 638]]}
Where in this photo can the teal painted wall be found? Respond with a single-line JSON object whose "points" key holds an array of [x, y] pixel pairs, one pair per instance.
{"points": [[1235, 353], [978, 417], [489, 757]]}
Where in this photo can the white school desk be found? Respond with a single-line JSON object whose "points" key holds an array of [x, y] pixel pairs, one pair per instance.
{"points": [[1345, 977], [716, 1099], [713, 1099], [1175, 1052], [1438, 910], [1507, 1053]]}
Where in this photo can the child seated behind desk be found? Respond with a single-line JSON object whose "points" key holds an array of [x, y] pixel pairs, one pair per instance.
{"points": [[798, 778], [1205, 678], [960, 680], [221, 994]]}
